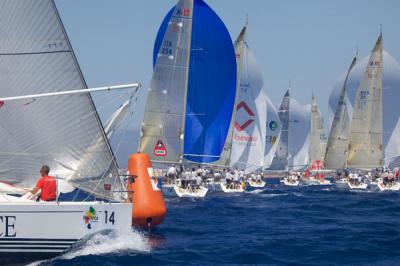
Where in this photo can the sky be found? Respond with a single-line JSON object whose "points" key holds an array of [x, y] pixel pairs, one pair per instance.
{"points": [[309, 42]]}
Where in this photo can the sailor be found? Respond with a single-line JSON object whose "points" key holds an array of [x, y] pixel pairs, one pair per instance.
{"points": [[171, 173], [47, 184], [228, 177]]}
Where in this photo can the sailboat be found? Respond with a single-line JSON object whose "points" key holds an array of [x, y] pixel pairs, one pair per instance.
{"points": [[390, 94], [63, 132], [190, 101], [365, 150], [249, 131], [317, 146], [292, 151], [48, 117]]}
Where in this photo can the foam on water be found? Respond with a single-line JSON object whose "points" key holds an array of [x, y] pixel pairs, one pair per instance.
{"points": [[111, 242], [256, 191]]}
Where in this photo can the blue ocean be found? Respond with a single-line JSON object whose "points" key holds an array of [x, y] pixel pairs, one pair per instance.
{"points": [[277, 225]]}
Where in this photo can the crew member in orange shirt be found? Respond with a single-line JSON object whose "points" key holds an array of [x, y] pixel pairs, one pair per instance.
{"points": [[47, 184]]}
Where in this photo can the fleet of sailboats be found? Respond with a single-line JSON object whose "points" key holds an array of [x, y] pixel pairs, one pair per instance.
{"points": [[196, 115]]}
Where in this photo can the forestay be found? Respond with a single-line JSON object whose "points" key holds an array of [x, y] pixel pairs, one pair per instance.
{"points": [[63, 132]]}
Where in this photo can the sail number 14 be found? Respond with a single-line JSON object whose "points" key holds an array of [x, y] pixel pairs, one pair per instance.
{"points": [[109, 219]]}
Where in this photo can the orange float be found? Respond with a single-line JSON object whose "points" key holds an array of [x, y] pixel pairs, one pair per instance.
{"points": [[144, 192]]}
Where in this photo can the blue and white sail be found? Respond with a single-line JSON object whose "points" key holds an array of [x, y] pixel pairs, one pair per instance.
{"points": [[249, 132], [365, 142], [192, 91]]}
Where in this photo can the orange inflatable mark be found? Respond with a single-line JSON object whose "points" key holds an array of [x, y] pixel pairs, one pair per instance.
{"points": [[148, 203]]}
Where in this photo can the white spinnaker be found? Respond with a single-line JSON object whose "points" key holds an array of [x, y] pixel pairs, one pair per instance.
{"points": [[299, 135], [365, 143], [392, 152], [336, 150], [272, 135], [164, 115], [317, 135], [63, 132], [248, 143], [280, 159]]}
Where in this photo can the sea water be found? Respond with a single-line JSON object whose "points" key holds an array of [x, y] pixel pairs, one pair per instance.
{"points": [[277, 225]]}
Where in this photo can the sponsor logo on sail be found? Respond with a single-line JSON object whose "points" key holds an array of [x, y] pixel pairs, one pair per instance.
{"points": [[90, 217], [182, 12], [273, 125], [248, 122], [159, 149]]}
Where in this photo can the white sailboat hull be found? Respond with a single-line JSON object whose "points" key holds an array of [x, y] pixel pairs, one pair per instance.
{"points": [[291, 183], [395, 186], [256, 184], [357, 186], [189, 192], [238, 189], [30, 229], [324, 182]]}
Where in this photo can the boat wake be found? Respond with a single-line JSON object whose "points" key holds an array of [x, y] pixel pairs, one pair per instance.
{"points": [[256, 191], [110, 242]]}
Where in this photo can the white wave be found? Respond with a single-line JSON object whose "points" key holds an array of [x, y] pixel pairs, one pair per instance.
{"points": [[274, 195], [112, 242], [298, 194], [256, 191]]}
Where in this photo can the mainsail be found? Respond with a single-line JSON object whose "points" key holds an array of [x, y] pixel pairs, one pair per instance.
{"points": [[317, 134], [190, 99], [336, 150], [248, 143], [273, 132], [280, 160], [299, 135], [365, 145], [63, 132]]}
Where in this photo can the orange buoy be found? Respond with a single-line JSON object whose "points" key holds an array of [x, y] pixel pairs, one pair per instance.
{"points": [[148, 203]]}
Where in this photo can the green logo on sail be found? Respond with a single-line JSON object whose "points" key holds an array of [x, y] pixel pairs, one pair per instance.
{"points": [[273, 125]]}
